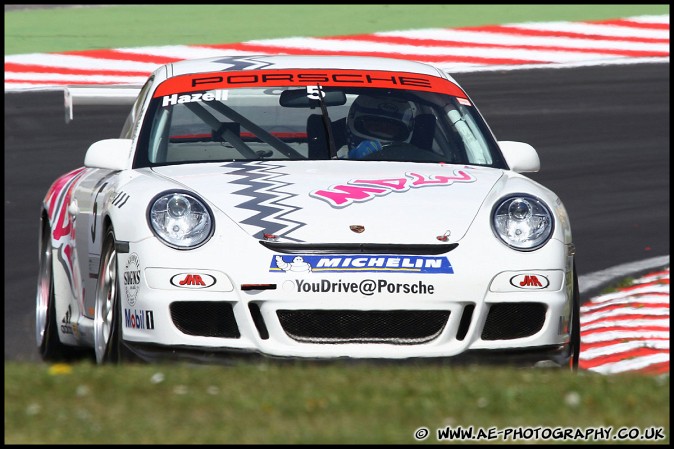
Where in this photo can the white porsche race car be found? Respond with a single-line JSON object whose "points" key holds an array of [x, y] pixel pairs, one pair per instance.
{"points": [[304, 207]]}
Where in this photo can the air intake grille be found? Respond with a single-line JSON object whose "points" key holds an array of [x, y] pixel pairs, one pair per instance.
{"points": [[205, 319], [508, 321], [404, 327]]}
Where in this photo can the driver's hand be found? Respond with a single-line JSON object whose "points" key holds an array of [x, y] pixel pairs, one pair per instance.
{"points": [[365, 148]]}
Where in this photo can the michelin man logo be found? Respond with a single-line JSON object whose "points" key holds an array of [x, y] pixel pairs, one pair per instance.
{"points": [[298, 265]]}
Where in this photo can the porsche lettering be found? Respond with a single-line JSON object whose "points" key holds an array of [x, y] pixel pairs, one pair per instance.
{"points": [[385, 79], [299, 78]]}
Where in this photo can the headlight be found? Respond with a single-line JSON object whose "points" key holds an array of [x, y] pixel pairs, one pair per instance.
{"points": [[523, 222], [180, 220]]}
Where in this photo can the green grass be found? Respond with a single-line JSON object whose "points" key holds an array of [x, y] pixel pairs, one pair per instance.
{"points": [[622, 283], [310, 402], [101, 27]]}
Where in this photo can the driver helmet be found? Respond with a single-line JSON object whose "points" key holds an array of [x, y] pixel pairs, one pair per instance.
{"points": [[379, 118]]}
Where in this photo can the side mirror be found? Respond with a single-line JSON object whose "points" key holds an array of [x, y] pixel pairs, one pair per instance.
{"points": [[111, 154], [521, 157]]}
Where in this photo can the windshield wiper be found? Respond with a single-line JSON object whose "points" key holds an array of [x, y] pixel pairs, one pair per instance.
{"points": [[327, 124]]}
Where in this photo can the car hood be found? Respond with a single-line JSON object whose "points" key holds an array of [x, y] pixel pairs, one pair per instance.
{"points": [[341, 201]]}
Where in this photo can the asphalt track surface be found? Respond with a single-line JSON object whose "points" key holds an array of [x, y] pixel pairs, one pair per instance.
{"points": [[602, 134]]}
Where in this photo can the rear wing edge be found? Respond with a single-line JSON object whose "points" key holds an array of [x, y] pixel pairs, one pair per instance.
{"points": [[117, 94]]}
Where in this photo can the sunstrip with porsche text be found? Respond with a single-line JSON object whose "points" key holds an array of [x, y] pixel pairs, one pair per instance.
{"points": [[334, 78]]}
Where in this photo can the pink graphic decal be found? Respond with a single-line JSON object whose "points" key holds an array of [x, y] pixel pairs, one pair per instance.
{"points": [[57, 201], [397, 184], [440, 180], [343, 195]]}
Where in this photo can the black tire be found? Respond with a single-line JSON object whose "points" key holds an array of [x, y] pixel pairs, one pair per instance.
{"points": [[575, 323], [51, 349], [569, 357]]}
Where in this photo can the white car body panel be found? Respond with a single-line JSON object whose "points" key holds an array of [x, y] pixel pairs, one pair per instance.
{"points": [[305, 197]]}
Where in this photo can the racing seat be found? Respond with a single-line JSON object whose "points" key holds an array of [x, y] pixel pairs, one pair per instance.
{"points": [[317, 138], [424, 131]]}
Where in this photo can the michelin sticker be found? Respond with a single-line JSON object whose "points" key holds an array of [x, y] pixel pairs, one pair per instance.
{"points": [[360, 264]]}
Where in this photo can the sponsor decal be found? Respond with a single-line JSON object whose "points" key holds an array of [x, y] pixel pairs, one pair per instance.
{"points": [[264, 193], [94, 265], [276, 77], [120, 199], [367, 287], [138, 319], [530, 281], [214, 95], [464, 101], [243, 63], [360, 190], [57, 200], [360, 263], [193, 280], [67, 327], [132, 279]]}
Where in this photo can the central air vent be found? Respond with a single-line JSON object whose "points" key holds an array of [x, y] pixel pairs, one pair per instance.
{"points": [[403, 327]]}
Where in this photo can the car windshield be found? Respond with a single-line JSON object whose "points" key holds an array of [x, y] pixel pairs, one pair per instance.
{"points": [[314, 123]]}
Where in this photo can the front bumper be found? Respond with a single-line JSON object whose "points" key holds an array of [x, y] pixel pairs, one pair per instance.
{"points": [[539, 357], [204, 304]]}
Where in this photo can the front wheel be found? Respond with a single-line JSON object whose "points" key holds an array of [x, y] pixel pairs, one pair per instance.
{"points": [[107, 315], [575, 323], [570, 353]]}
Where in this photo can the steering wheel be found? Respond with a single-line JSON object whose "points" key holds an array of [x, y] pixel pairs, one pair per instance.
{"points": [[402, 151]]}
